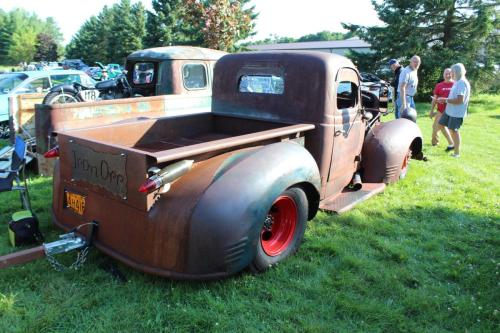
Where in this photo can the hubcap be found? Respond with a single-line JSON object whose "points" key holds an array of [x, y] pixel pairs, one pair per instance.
{"points": [[279, 227], [63, 99]]}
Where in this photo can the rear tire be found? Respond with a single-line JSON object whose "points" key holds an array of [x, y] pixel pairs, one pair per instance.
{"points": [[58, 97], [283, 230]]}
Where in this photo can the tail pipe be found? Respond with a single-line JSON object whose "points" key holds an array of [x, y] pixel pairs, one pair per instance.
{"points": [[356, 183], [163, 177]]}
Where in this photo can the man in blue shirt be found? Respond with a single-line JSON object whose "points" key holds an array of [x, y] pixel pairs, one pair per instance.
{"points": [[408, 82]]}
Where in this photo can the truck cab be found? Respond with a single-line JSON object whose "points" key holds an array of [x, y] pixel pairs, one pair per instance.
{"points": [[171, 70]]}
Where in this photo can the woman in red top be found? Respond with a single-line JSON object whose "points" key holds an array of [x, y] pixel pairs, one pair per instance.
{"points": [[442, 89]]}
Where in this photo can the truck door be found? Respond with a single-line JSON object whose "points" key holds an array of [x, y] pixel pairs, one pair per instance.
{"points": [[349, 130]]}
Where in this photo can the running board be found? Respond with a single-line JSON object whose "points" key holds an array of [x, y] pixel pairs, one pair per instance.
{"points": [[347, 199]]}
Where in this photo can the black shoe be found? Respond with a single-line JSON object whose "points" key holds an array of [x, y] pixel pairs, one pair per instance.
{"points": [[449, 148]]}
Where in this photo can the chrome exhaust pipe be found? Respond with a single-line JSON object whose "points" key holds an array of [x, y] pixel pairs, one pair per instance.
{"points": [[356, 183]]}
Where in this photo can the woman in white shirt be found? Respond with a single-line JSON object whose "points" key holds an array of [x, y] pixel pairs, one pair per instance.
{"points": [[456, 106]]}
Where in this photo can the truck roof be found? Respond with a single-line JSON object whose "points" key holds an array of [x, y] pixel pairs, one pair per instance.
{"points": [[331, 60], [176, 53]]}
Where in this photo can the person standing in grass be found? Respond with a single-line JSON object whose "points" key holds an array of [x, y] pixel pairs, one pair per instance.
{"points": [[442, 89], [456, 106], [396, 68], [408, 82]]}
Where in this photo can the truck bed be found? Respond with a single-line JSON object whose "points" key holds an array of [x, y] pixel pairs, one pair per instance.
{"points": [[94, 159], [167, 139]]}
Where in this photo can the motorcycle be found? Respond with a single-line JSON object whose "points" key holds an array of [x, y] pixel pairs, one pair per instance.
{"points": [[76, 92]]}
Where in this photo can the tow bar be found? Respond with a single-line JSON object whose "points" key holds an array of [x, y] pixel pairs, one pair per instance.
{"points": [[67, 242]]}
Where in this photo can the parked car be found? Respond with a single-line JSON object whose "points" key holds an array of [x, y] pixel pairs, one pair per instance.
{"points": [[94, 72], [74, 64], [15, 83], [203, 196], [375, 92]]}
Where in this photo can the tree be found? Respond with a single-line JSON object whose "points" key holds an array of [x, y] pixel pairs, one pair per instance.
{"points": [[440, 32], [23, 45], [127, 30], [166, 25], [111, 35], [18, 32], [221, 22], [45, 48], [90, 42], [324, 36]]}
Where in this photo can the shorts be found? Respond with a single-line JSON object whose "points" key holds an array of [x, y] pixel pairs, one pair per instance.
{"points": [[452, 123]]}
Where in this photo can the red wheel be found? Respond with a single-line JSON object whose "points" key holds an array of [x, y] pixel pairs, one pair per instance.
{"points": [[279, 227], [405, 164], [282, 230]]}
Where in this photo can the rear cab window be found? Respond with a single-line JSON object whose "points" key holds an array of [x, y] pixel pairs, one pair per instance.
{"points": [[143, 73], [194, 76], [262, 84]]}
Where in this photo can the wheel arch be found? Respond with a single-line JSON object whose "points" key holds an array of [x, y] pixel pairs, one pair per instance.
{"points": [[226, 222], [385, 147], [312, 195]]}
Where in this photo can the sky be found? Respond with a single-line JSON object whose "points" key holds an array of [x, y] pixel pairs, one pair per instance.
{"points": [[290, 18]]}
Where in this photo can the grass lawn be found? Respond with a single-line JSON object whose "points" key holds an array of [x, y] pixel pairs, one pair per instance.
{"points": [[424, 256]]}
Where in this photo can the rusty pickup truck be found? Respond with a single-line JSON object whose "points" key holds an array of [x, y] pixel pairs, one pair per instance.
{"points": [[204, 196]]}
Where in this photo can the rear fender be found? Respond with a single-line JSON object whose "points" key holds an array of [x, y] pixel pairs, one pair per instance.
{"points": [[385, 147], [65, 87], [226, 222]]}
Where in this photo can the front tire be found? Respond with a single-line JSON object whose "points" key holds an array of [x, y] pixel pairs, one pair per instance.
{"points": [[58, 97], [283, 230]]}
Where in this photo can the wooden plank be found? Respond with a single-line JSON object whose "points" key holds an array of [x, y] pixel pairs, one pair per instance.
{"points": [[22, 257]]}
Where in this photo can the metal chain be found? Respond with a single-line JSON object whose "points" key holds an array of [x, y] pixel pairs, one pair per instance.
{"points": [[80, 260]]}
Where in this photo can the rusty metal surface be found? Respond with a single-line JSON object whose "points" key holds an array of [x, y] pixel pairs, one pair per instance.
{"points": [[166, 240], [176, 53], [102, 169], [53, 118], [22, 257], [246, 152], [310, 99], [385, 147]]}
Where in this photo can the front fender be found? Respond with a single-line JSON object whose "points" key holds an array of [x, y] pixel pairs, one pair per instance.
{"points": [[226, 222], [385, 147]]}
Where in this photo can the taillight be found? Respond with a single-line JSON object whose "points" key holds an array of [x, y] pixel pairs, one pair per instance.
{"points": [[53, 153], [163, 177], [149, 185]]}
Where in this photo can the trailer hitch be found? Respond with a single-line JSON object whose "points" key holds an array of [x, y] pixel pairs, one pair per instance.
{"points": [[66, 243]]}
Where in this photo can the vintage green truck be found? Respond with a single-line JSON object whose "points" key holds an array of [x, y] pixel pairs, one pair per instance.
{"points": [[203, 196]]}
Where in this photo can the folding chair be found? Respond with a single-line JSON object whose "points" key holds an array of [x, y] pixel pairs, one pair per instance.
{"points": [[10, 178]]}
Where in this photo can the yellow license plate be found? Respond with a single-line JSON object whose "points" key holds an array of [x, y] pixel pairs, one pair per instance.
{"points": [[76, 202]]}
